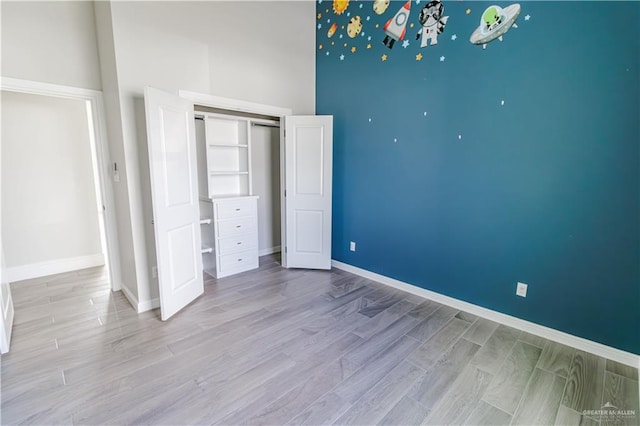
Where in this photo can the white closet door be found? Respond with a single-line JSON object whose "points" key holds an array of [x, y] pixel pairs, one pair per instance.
{"points": [[308, 157], [174, 190], [6, 318]]}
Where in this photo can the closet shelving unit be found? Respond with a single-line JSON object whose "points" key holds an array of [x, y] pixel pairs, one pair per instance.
{"points": [[235, 216]]}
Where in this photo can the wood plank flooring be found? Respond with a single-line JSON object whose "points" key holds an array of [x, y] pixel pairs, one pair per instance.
{"points": [[276, 346]]}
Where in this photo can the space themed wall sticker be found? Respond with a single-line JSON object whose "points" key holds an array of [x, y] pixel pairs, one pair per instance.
{"points": [[432, 21], [396, 27], [495, 22], [465, 170]]}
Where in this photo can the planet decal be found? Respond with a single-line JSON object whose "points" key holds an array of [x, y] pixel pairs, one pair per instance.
{"points": [[495, 22], [332, 30], [354, 27], [380, 6]]}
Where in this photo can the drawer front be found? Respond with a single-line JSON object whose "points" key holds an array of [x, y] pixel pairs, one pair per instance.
{"points": [[238, 262], [228, 209], [235, 227], [238, 243]]}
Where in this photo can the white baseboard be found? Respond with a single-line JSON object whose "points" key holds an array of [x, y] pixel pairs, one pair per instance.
{"points": [[267, 251], [580, 343], [140, 307], [52, 267], [148, 305]]}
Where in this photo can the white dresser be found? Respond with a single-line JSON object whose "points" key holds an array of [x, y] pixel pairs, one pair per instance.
{"points": [[236, 234]]}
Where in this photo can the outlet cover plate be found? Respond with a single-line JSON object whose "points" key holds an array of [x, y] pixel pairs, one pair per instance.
{"points": [[521, 290]]}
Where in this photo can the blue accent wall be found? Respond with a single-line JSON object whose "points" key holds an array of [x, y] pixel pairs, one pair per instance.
{"points": [[465, 170]]}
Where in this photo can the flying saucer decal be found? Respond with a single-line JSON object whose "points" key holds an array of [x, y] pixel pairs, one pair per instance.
{"points": [[495, 22], [396, 27]]}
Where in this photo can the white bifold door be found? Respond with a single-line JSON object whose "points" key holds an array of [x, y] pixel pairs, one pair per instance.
{"points": [[6, 314], [308, 168], [174, 189]]}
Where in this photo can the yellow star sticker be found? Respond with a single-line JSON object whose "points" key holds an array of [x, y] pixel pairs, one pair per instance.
{"points": [[345, 45], [383, 57], [369, 46], [326, 10], [333, 43], [468, 11], [319, 15], [342, 27], [353, 49], [320, 47], [411, 25], [419, 57], [377, 25]]}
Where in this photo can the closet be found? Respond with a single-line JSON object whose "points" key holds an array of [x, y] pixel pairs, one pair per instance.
{"points": [[231, 185], [239, 189]]}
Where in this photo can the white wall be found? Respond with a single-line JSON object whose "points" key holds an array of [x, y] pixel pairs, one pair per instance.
{"points": [[265, 174], [261, 52], [53, 42], [49, 207]]}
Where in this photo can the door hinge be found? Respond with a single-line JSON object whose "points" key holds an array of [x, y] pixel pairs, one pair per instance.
{"points": [[285, 249], [285, 192]]}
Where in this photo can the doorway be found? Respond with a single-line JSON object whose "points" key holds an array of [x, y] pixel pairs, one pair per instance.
{"points": [[91, 180]]}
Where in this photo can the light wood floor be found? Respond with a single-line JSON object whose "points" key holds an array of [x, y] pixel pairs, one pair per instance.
{"points": [[277, 346]]}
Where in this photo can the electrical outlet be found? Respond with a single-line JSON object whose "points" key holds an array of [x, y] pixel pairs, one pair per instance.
{"points": [[154, 272], [521, 290], [352, 246]]}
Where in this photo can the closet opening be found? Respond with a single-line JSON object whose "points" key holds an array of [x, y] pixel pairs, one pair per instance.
{"points": [[238, 155]]}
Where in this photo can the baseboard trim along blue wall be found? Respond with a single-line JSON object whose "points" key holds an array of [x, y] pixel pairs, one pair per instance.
{"points": [[529, 327], [491, 143]]}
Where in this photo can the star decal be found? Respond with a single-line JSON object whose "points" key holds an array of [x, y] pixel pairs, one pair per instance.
{"points": [[319, 15], [419, 57], [527, 17], [377, 25], [342, 57], [405, 44], [345, 45], [369, 38], [368, 17], [327, 53], [368, 45], [319, 26], [411, 25], [468, 11], [383, 57], [353, 49], [320, 47], [442, 58], [425, 113], [454, 37]]}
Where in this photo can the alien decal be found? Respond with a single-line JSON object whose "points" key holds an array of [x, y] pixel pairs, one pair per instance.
{"points": [[494, 23], [396, 27], [432, 21]]}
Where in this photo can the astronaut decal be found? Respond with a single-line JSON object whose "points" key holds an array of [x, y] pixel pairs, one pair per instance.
{"points": [[432, 21], [396, 27]]}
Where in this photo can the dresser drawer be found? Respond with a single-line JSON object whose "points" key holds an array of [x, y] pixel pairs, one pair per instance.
{"points": [[234, 227], [236, 208], [237, 243], [238, 262]]}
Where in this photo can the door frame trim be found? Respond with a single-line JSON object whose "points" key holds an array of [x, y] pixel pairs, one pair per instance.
{"points": [[236, 105], [94, 101]]}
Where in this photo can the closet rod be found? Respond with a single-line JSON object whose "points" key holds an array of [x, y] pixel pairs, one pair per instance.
{"points": [[254, 123], [199, 117]]}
